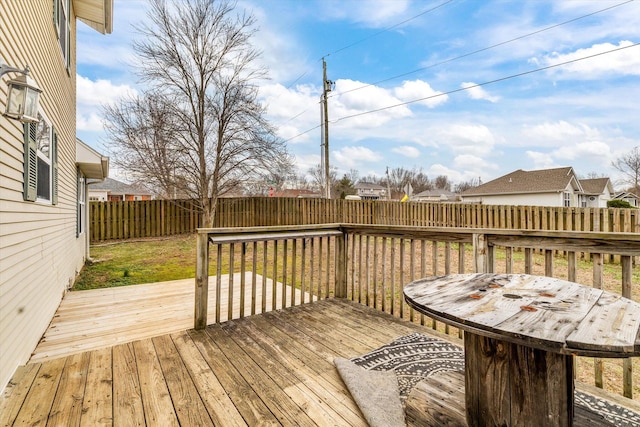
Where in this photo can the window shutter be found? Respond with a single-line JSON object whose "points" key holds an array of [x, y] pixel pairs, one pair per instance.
{"points": [[30, 191], [54, 168]]}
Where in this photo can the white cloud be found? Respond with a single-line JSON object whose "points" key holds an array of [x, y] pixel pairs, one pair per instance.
{"points": [[358, 103], [417, 89], [407, 151], [89, 122], [582, 156], [591, 149], [540, 160], [477, 92], [95, 93], [374, 13], [621, 62], [306, 161], [91, 96], [557, 130], [349, 157], [454, 174], [469, 161], [292, 110], [467, 138]]}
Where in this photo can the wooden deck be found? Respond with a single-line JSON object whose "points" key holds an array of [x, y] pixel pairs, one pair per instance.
{"points": [[89, 320], [274, 368], [270, 369]]}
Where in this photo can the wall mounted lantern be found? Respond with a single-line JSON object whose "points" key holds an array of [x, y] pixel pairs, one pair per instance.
{"points": [[22, 101]]}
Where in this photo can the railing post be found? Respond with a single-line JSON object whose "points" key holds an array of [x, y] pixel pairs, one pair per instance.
{"points": [[202, 281], [627, 364], [341, 266], [481, 255]]}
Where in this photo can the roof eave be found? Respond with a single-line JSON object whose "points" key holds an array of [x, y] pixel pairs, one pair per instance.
{"points": [[98, 14]]}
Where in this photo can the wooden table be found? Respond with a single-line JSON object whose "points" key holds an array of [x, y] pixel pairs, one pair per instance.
{"points": [[521, 333]]}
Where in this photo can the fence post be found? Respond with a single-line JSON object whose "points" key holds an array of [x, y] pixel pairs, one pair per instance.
{"points": [[202, 281], [341, 265]]}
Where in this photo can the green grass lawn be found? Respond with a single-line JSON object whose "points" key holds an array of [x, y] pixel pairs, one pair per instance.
{"points": [[172, 258], [140, 261]]}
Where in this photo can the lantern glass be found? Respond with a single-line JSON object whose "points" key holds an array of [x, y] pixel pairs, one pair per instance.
{"points": [[22, 102]]}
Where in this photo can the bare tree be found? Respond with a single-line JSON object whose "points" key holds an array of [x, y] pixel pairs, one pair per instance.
{"points": [[420, 182], [317, 178], [398, 178], [442, 183], [353, 175], [142, 132], [465, 185], [197, 58], [629, 165]]}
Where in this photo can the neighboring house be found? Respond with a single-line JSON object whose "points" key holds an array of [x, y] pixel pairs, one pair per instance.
{"points": [[627, 197], [437, 195], [43, 171], [546, 187], [111, 190], [369, 191], [595, 192]]}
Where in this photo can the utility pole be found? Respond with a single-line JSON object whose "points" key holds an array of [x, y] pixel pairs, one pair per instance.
{"points": [[326, 85], [388, 185]]}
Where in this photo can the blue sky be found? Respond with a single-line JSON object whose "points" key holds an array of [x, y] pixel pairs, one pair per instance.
{"points": [[382, 53]]}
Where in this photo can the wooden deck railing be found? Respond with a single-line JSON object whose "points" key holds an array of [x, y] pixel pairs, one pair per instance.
{"points": [[371, 264]]}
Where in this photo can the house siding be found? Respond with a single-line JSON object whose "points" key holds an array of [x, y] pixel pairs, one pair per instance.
{"points": [[527, 199], [40, 254]]}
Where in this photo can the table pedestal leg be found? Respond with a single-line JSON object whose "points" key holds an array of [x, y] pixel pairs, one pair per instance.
{"points": [[513, 385]]}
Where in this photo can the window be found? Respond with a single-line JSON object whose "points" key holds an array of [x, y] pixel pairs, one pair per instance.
{"points": [[81, 203], [40, 162], [61, 19], [567, 199]]}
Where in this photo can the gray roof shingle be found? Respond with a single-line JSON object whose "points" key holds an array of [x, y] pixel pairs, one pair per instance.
{"points": [[520, 181]]}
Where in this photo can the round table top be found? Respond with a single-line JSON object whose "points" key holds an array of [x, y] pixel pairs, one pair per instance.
{"points": [[535, 311]]}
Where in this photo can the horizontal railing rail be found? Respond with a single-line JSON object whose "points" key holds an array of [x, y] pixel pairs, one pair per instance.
{"points": [[371, 264]]}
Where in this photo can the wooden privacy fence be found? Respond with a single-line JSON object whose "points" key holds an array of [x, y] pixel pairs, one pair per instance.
{"points": [[142, 218], [154, 218]]}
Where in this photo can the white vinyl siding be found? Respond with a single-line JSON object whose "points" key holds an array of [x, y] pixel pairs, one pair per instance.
{"points": [[39, 252], [526, 199]]}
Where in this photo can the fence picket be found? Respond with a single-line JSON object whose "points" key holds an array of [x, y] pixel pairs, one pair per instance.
{"points": [[158, 218]]}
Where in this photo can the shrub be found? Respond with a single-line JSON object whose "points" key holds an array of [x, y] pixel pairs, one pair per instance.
{"points": [[616, 203]]}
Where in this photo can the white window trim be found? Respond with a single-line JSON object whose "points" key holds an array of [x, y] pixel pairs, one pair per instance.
{"points": [[48, 160], [62, 9], [82, 204]]}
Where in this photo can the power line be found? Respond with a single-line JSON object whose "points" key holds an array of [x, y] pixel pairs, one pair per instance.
{"points": [[389, 28], [482, 49], [486, 83], [364, 39], [456, 58], [524, 73], [450, 59]]}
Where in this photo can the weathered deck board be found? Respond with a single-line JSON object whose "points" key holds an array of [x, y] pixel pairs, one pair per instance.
{"points": [[88, 320], [274, 368]]}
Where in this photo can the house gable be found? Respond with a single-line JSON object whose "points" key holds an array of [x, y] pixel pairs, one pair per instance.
{"points": [[520, 181], [546, 187]]}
